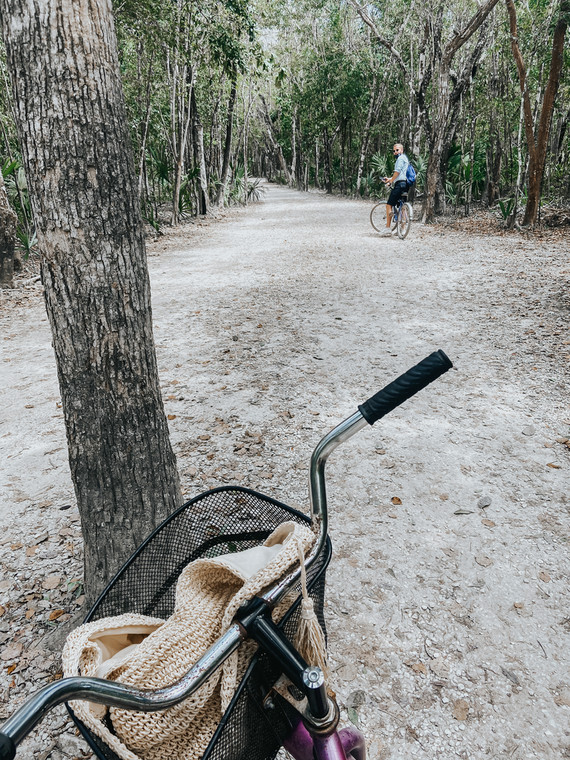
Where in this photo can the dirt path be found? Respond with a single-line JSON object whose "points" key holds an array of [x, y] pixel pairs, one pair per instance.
{"points": [[448, 594]]}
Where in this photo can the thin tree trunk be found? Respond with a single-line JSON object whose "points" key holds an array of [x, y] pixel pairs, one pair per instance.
{"points": [[511, 221], [537, 140], [228, 144], [145, 130], [184, 118], [83, 188], [317, 155], [8, 224], [276, 147], [200, 157], [366, 135], [294, 148]]}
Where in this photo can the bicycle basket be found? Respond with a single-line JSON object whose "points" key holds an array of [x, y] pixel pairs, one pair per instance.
{"points": [[221, 521]]}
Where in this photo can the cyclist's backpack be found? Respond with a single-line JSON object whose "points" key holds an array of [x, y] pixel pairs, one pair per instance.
{"points": [[410, 175]]}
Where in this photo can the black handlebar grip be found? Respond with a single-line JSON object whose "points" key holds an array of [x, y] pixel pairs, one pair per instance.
{"points": [[7, 748], [405, 386]]}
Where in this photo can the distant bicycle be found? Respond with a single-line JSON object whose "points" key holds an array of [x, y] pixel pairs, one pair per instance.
{"points": [[402, 219]]}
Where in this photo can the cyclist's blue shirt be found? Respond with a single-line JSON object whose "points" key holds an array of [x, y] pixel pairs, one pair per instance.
{"points": [[401, 167]]}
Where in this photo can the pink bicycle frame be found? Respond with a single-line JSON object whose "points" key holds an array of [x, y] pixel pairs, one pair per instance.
{"points": [[340, 745]]}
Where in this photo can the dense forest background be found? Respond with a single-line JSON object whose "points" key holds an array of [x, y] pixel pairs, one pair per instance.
{"points": [[314, 93]]}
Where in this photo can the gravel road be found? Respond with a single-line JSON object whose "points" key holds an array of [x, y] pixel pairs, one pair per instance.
{"points": [[447, 605]]}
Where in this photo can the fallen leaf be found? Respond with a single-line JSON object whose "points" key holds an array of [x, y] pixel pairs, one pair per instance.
{"points": [[518, 605], [353, 716], [14, 547], [463, 512], [51, 582], [11, 668], [511, 676], [396, 500], [393, 516], [544, 576], [31, 550], [484, 502], [2, 610], [460, 709], [554, 466], [488, 523], [56, 614], [171, 416], [11, 652], [483, 560], [30, 614], [356, 699], [412, 733], [417, 667]]}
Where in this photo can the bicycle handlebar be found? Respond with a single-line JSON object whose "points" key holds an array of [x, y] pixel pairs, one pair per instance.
{"points": [[116, 694], [405, 386], [7, 748]]}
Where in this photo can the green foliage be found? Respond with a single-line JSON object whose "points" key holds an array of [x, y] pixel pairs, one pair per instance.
{"points": [[420, 165], [242, 192], [322, 75], [506, 207], [19, 199]]}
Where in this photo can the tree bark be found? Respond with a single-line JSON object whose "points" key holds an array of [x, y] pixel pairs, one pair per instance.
{"points": [[72, 125], [8, 224]]}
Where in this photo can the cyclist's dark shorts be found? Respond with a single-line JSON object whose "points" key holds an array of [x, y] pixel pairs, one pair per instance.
{"points": [[396, 193]]}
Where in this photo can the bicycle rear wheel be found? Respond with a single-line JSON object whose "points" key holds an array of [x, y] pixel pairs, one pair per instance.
{"points": [[404, 220], [377, 217]]}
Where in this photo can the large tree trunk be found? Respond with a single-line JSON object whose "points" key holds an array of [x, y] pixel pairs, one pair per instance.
{"points": [[72, 126], [8, 223]]}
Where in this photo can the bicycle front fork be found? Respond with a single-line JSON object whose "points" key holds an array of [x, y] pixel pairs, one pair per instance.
{"points": [[314, 734]]}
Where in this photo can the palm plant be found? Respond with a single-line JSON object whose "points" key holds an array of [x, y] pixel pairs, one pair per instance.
{"points": [[17, 190]]}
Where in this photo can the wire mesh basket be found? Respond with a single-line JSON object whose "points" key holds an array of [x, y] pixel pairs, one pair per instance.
{"points": [[221, 521]]}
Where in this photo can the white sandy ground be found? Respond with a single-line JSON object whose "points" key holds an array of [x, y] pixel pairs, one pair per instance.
{"points": [[448, 621]]}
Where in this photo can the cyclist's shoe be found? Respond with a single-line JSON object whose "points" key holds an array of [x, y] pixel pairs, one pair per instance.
{"points": [[385, 232]]}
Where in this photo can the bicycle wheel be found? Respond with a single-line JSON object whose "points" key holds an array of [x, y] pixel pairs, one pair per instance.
{"points": [[395, 217], [377, 217], [404, 220]]}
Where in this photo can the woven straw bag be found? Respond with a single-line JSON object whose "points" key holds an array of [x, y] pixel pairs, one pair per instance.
{"points": [[151, 653]]}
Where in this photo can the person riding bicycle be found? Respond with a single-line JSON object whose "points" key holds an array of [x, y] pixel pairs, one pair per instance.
{"points": [[397, 182]]}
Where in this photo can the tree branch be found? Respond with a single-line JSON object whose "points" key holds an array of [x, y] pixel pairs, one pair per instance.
{"points": [[379, 39], [528, 120], [460, 38]]}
